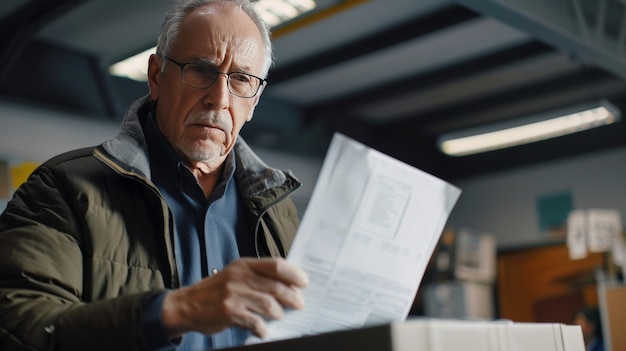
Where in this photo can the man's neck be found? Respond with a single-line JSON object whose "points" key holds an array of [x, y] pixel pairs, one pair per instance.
{"points": [[208, 177]]}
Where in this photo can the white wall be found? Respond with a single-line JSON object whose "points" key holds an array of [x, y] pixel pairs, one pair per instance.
{"points": [[36, 134], [505, 204]]}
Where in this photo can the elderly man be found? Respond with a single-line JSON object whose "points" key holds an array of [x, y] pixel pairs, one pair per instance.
{"points": [[170, 235]]}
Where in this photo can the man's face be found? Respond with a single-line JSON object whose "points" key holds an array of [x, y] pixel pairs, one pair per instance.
{"points": [[203, 124]]}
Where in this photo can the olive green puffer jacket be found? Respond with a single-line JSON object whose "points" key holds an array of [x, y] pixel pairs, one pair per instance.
{"points": [[88, 239]]}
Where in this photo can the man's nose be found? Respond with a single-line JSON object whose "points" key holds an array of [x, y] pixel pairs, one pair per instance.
{"points": [[218, 94]]}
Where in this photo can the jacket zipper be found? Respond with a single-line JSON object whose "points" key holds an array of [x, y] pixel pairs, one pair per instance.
{"points": [[171, 258]]}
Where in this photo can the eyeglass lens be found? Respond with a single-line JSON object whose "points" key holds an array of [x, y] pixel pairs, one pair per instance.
{"points": [[203, 76]]}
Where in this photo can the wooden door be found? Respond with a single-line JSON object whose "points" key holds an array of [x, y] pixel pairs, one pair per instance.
{"points": [[542, 284]]}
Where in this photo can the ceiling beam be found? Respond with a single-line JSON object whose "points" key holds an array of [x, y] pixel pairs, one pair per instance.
{"points": [[377, 97], [406, 31], [593, 31], [19, 27]]}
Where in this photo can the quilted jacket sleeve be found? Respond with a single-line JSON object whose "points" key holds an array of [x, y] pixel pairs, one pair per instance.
{"points": [[41, 277]]}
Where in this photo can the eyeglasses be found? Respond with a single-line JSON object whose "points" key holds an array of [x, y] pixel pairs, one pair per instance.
{"points": [[202, 76]]}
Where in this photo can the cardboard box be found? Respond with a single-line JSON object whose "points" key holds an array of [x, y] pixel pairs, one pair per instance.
{"points": [[459, 300], [475, 257], [464, 255]]}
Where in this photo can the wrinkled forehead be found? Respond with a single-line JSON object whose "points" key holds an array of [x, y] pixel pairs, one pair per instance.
{"points": [[221, 32]]}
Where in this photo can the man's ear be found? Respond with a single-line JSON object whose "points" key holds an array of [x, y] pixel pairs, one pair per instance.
{"points": [[251, 113], [257, 98], [154, 76], [256, 102]]}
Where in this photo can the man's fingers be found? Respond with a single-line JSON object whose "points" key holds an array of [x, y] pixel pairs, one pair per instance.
{"points": [[266, 305], [252, 322], [285, 295], [288, 295], [280, 269]]}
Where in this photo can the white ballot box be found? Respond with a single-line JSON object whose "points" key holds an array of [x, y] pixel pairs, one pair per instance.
{"points": [[437, 335]]}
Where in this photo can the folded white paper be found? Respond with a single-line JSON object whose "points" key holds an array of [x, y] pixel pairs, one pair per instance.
{"points": [[365, 240]]}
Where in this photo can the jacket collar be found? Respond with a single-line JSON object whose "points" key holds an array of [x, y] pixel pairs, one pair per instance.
{"points": [[129, 150], [128, 147]]}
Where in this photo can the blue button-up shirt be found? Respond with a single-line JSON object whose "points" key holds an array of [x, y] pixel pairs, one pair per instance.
{"points": [[208, 234]]}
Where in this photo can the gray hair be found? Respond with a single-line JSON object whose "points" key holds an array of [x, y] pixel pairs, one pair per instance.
{"points": [[175, 16]]}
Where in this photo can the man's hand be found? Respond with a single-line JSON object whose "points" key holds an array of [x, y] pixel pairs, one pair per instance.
{"points": [[242, 294]]}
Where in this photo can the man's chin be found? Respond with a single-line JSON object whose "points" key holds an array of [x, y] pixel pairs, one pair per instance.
{"points": [[204, 154]]}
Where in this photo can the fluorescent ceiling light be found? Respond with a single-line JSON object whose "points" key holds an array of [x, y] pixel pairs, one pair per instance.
{"points": [[529, 130], [134, 67], [273, 12]]}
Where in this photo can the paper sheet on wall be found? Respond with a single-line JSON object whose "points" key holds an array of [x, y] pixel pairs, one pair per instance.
{"points": [[596, 230], [365, 240]]}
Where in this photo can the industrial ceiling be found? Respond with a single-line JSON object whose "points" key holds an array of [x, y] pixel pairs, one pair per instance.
{"points": [[393, 74]]}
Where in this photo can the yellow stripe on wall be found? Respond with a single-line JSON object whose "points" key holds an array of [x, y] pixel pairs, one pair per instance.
{"points": [[315, 17], [19, 173]]}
